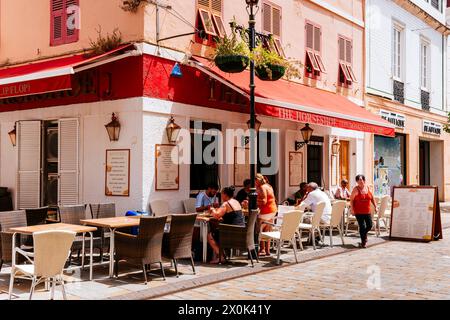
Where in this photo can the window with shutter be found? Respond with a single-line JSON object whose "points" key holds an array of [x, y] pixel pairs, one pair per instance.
{"points": [[64, 22], [210, 20], [29, 164], [267, 17], [314, 64], [346, 74], [68, 162], [272, 24], [276, 22]]}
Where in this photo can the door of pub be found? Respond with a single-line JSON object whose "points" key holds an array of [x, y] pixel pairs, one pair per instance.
{"points": [[344, 160]]}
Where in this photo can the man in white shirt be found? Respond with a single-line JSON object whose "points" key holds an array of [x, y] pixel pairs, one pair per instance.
{"points": [[315, 195]]}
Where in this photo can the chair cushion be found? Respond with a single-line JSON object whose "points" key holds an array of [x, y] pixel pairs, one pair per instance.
{"points": [[271, 235], [305, 226], [26, 268]]}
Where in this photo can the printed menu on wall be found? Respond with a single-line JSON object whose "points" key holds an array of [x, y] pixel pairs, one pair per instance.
{"points": [[167, 167], [416, 214], [295, 168], [117, 176]]}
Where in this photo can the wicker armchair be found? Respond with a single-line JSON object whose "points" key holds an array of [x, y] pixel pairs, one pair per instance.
{"points": [[177, 244], [8, 220], [100, 211], [143, 249], [73, 215], [237, 237]]}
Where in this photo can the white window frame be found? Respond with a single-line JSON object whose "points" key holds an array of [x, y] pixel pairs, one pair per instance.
{"points": [[425, 74], [397, 51]]}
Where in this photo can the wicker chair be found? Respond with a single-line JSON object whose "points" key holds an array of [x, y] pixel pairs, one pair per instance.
{"points": [[8, 220], [143, 249], [159, 208], [100, 211], [73, 215], [236, 237], [177, 244]]}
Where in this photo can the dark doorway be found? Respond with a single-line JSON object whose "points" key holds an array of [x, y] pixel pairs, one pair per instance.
{"points": [[424, 162], [315, 156]]}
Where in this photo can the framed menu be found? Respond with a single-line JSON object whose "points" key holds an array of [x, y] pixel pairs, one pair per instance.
{"points": [[295, 168], [416, 214], [117, 173], [167, 170], [241, 166]]}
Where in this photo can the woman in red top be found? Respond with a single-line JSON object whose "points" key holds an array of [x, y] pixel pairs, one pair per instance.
{"points": [[267, 209], [360, 201]]}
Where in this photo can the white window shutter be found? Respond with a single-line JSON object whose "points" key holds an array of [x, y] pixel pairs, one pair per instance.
{"points": [[29, 164], [68, 162]]}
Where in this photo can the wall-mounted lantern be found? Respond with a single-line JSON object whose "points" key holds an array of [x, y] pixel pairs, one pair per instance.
{"points": [[306, 132], [172, 130], [113, 128], [13, 136], [335, 147]]}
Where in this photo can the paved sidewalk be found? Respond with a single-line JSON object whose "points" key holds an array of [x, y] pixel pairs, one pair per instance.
{"points": [[130, 284], [395, 270]]}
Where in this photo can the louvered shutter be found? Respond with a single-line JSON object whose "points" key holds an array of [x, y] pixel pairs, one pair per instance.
{"points": [[348, 49], [204, 3], [29, 175], [317, 39], [57, 22], [309, 36], [276, 22], [267, 18], [341, 49], [71, 15], [68, 162], [216, 6]]}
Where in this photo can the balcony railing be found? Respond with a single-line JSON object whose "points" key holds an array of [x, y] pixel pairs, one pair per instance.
{"points": [[399, 91], [425, 100]]}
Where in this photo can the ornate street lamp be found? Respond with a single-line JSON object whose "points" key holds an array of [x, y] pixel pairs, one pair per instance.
{"points": [[335, 147], [172, 130], [306, 132], [13, 135], [113, 128], [252, 5], [257, 124]]}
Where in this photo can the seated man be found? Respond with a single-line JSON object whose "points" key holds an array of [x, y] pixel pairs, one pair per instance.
{"points": [[315, 195], [242, 195], [207, 199], [301, 194], [342, 192]]}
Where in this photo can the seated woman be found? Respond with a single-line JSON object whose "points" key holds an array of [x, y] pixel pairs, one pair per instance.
{"points": [[230, 212]]}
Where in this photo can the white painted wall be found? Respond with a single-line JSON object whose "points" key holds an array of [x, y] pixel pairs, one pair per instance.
{"points": [[93, 144], [380, 15], [427, 7]]}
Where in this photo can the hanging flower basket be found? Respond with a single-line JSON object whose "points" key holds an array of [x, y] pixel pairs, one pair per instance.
{"points": [[232, 63], [270, 72]]}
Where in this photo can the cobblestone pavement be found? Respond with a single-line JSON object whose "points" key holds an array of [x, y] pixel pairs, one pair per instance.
{"points": [[393, 270]]}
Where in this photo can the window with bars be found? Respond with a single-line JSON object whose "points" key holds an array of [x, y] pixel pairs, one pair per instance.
{"points": [[313, 62], [346, 74], [210, 18], [272, 24], [64, 24]]}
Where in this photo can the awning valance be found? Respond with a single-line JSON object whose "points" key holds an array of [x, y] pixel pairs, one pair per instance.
{"points": [[52, 75], [293, 101]]}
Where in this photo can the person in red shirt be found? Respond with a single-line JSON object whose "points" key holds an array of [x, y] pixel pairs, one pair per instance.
{"points": [[360, 201]]}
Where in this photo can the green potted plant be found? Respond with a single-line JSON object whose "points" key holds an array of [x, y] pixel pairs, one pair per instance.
{"points": [[231, 55], [270, 66]]}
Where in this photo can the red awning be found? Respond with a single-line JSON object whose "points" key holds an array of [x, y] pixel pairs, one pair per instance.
{"points": [[48, 76], [292, 101]]}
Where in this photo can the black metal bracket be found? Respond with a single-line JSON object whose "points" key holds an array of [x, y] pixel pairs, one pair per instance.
{"points": [[245, 140], [201, 34], [260, 37], [299, 145]]}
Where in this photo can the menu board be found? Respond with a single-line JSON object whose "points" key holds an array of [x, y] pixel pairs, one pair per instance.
{"points": [[117, 176], [295, 168], [241, 166], [167, 167], [416, 214]]}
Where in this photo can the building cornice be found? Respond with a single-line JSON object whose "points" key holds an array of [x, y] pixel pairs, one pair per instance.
{"points": [[324, 4]]}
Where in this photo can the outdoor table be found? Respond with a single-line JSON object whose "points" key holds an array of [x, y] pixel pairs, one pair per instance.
{"points": [[56, 226], [203, 221], [112, 224]]}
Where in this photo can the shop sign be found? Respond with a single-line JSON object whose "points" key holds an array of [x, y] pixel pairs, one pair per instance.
{"points": [[396, 119], [432, 127]]}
